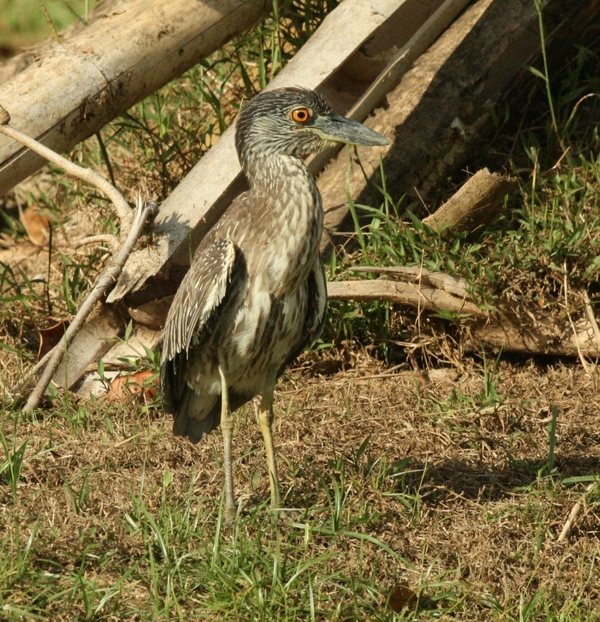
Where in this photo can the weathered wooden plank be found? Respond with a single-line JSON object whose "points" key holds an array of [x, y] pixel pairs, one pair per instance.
{"points": [[80, 85], [93, 341], [444, 100]]}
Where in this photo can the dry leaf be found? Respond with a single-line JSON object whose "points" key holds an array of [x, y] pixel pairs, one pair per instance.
{"points": [[50, 336], [133, 385], [18, 253], [402, 597], [37, 225]]}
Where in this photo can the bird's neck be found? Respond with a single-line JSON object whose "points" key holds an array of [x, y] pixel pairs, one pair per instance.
{"points": [[284, 185], [291, 210], [268, 172]]}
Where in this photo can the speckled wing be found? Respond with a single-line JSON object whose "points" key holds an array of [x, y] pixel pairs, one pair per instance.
{"points": [[315, 313], [201, 292], [317, 307]]}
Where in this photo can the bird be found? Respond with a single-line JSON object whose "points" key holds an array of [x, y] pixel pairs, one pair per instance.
{"points": [[255, 294]]}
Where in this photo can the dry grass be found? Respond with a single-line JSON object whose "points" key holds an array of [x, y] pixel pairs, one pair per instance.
{"points": [[453, 484]]}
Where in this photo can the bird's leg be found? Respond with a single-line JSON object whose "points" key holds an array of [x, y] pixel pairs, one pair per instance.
{"points": [[227, 431], [265, 418]]}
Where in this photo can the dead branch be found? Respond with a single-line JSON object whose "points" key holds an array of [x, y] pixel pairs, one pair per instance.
{"points": [[591, 317], [574, 513], [85, 174], [418, 296], [455, 285], [132, 225], [103, 238], [105, 281], [531, 332]]}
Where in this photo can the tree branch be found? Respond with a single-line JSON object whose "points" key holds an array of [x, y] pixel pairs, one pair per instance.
{"points": [[132, 225], [105, 281], [122, 208]]}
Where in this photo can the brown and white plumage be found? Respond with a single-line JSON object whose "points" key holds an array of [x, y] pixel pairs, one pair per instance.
{"points": [[255, 294]]}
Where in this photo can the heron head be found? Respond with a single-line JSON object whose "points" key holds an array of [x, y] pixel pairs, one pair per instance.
{"points": [[295, 122]]}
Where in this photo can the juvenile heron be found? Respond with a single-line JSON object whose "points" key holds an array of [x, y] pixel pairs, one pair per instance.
{"points": [[255, 294]]}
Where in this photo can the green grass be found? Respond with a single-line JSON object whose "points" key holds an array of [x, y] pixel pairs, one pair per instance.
{"points": [[122, 523], [24, 22], [456, 488]]}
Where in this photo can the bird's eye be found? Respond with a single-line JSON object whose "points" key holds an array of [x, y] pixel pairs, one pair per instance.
{"points": [[300, 115]]}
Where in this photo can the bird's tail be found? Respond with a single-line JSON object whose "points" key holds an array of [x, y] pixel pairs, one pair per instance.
{"points": [[196, 416]]}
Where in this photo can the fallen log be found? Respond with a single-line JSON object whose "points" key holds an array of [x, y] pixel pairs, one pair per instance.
{"points": [[10, 67], [533, 333], [530, 332], [79, 86]]}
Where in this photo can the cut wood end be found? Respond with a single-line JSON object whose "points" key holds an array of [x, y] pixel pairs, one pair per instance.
{"points": [[477, 203]]}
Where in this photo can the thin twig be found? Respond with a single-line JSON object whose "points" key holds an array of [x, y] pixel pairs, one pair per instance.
{"points": [[107, 238], [26, 379], [105, 281], [574, 513], [584, 363], [122, 208], [591, 316]]}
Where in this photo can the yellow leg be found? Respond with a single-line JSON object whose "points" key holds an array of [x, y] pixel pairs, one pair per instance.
{"points": [[227, 431], [265, 418]]}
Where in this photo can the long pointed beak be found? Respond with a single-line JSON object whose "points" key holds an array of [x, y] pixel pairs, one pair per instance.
{"points": [[338, 129]]}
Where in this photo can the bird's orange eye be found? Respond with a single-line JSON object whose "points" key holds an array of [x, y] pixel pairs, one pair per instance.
{"points": [[300, 115]]}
